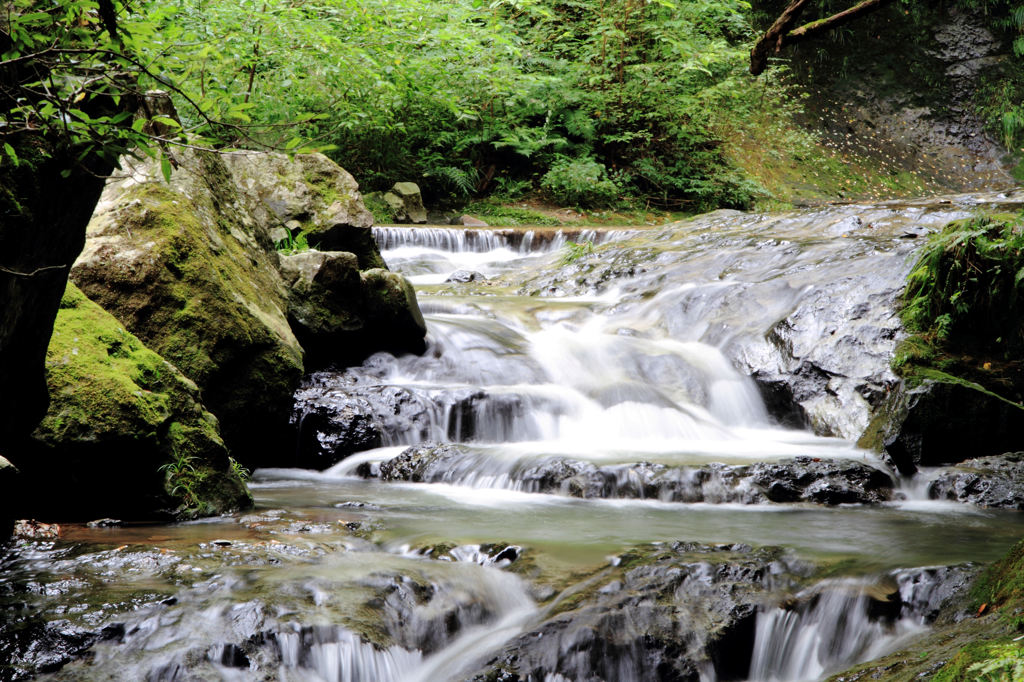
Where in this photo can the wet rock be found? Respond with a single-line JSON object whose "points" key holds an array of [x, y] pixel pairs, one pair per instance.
{"points": [[30, 529], [995, 481], [939, 423], [679, 612], [464, 276], [801, 479]]}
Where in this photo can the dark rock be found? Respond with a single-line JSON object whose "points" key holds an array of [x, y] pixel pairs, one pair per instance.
{"points": [[995, 481], [464, 276], [9, 484], [678, 613], [801, 479], [939, 423], [337, 313]]}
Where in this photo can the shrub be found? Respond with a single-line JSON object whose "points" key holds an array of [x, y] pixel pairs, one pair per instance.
{"points": [[580, 182]]}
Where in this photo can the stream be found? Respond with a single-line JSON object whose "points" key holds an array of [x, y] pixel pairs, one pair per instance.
{"points": [[631, 462]]}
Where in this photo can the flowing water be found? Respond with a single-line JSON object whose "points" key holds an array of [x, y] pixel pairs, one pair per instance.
{"points": [[580, 417]]}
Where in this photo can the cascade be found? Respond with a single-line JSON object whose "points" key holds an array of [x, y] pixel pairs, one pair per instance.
{"points": [[629, 464]]}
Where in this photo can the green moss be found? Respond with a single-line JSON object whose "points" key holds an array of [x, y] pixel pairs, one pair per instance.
{"points": [[107, 387], [964, 304]]}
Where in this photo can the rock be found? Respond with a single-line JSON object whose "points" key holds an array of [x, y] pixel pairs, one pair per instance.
{"points": [[338, 314], [9, 484], [800, 479], [30, 529], [309, 193], [944, 422], [679, 612], [186, 268], [118, 414], [391, 311], [995, 481], [406, 203], [46, 204], [469, 221], [464, 276]]}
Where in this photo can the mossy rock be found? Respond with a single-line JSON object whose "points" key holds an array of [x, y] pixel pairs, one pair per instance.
{"points": [[311, 190], [184, 266], [125, 435]]}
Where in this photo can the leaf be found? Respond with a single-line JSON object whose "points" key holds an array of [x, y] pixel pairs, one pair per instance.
{"points": [[165, 168], [9, 150]]}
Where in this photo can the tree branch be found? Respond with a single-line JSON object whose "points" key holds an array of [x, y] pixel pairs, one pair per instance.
{"points": [[780, 35]]}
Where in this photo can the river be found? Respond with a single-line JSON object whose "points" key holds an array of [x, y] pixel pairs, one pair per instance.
{"points": [[601, 489]]}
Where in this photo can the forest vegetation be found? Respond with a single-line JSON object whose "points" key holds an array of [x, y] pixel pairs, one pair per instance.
{"points": [[589, 102]]}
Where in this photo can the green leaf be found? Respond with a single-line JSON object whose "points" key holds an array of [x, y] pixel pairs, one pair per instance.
{"points": [[165, 168], [9, 150]]}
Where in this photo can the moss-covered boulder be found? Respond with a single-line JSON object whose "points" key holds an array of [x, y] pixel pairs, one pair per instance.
{"points": [[309, 195], [125, 435], [184, 266], [341, 314]]}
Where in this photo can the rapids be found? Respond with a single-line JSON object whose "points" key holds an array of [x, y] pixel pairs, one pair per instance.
{"points": [[603, 442]]}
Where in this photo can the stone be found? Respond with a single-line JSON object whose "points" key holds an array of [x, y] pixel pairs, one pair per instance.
{"points": [[336, 312], [125, 430], [406, 203], [681, 612], [465, 276], [309, 194], [469, 221], [799, 479], [996, 481], [190, 271], [944, 422]]}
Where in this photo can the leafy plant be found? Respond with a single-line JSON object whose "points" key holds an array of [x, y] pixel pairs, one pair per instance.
{"points": [[580, 182], [1006, 664], [574, 251], [293, 244], [183, 480], [239, 470]]}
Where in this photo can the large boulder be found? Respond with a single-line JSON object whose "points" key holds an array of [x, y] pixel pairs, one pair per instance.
{"points": [[941, 422], [342, 315], [125, 435], [406, 203], [996, 481], [183, 266], [309, 194]]}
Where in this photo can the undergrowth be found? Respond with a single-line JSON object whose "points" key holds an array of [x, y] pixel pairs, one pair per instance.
{"points": [[964, 307]]}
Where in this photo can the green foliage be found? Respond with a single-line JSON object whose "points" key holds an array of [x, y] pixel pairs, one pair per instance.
{"points": [[1005, 664], [183, 480], [574, 251], [239, 470], [580, 182], [467, 98], [293, 244], [967, 288]]}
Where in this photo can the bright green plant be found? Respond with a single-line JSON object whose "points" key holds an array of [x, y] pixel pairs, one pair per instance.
{"points": [[239, 470], [1006, 664], [968, 285], [183, 480], [580, 182], [574, 251], [293, 244]]}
